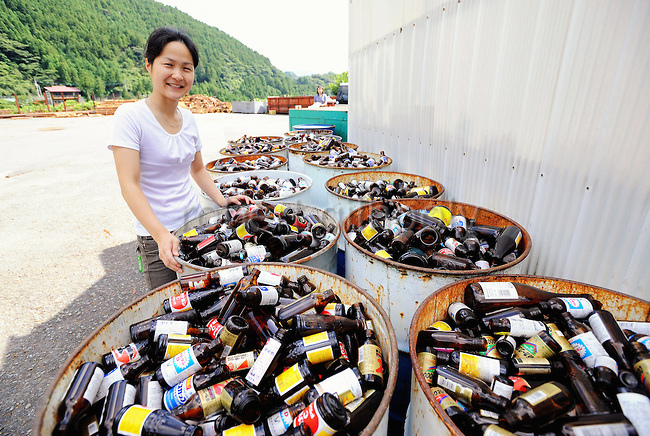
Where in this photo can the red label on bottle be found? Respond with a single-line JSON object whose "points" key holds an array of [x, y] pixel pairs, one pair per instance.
{"points": [[214, 328], [313, 419], [205, 242], [180, 303], [344, 352], [125, 355]]}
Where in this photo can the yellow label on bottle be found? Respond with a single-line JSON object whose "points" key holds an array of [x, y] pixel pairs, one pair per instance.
{"points": [[491, 350], [315, 338], [279, 208], [175, 348], [440, 325], [288, 380], [192, 232], [443, 398], [540, 393], [428, 362], [442, 213], [242, 233], [369, 232], [228, 338], [133, 420], [292, 399], [384, 254], [293, 228], [559, 337], [534, 347], [370, 360], [642, 369], [211, 398], [240, 430], [320, 355]]}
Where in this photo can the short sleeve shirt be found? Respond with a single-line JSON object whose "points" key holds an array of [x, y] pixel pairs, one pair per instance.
{"points": [[165, 161]]}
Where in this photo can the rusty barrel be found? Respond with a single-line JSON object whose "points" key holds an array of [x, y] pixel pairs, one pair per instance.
{"points": [[282, 165], [425, 416], [342, 205], [325, 258], [115, 332], [400, 288], [296, 153], [279, 149]]}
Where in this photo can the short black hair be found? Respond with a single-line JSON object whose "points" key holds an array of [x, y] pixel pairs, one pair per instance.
{"points": [[162, 36]]}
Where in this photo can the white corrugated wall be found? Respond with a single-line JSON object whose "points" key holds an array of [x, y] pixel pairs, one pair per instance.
{"points": [[539, 110]]}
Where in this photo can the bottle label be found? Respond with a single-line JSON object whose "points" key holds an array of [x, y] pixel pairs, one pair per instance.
{"points": [[636, 327], [154, 395], [313, 419], [279, 208], [192, 232], [240, 362], [484, 368], [344, 352], [179, 367], [369, 232], [461, 391], [578, 307], [267, 278], [642, 369], [211, 398], [110, 378], [452, 244], [428, 362], [229, 340], [606, 428], [534, 347], [204, 243], [502, 389], [532, 366], [440, 325], [319, 355], [315, 338], [126, 355], [263, 362], [455, 307], [540, 394], [170, 327], [240, 430], [175, 348], [495, 430], [344, 384], [93, 385], [458, 221], [231, 276], [525, 328], [491, 350], [180, 303], [441, 212], [559, 337], [279, 422], [214, 327], [443, 398], [288, 380], [599, 328], [370, 360], [587, 347], [132, 421], [297, 396], [636, 408], [607, 362], [269, 295], [242, 233], [499, 291], [384, 254]]}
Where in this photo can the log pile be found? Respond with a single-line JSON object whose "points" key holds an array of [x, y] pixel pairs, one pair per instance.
{"points": [[202, 104], [108, 107]]}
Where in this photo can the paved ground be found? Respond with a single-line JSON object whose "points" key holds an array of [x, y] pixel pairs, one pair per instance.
{"points": [[68, 244]]}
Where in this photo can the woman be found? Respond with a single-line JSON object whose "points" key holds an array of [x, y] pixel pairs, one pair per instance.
{"points": [[320, 99], [157, 148]]}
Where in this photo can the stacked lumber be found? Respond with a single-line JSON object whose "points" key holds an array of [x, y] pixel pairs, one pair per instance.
{"points": [[108, 107], [202, 104]]}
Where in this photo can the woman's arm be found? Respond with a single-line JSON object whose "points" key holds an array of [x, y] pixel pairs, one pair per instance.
{"points": [[127, 164], [202, 178]]}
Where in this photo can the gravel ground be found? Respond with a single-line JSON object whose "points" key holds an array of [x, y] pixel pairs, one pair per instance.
{"points": [[69, 243]]}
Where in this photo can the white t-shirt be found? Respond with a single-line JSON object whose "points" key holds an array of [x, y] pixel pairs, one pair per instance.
{"points": [[165, 161]]}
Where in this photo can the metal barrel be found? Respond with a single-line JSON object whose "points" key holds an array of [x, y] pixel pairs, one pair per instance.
{"points": [[425, 416], [296, 154], [282, 151], [321, 174], [115, 331], [296, 197], [341, 205], [242, 158], [400, 288], [325, 259]]}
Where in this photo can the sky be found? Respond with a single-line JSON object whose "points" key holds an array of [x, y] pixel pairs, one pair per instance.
{"points": [[303, 36]]}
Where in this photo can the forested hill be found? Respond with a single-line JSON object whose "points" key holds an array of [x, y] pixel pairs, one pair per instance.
{"points": [[97, 45]]}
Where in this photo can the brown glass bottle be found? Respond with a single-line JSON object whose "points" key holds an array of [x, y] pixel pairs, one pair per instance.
{"points": [[326, 415], [140, 330], [130, 372], [314, 300], [370, 361], [152, 422], [232, 334], [450, 262], [316, 348], [468, 389], [241, 402], [450, 406], [201, 403], [303, 325], [169, 345], [187, 363], [78, 398], [149, 393], [537, 406], [123, 355], [611, 336], [639, 357], [451, 339], [582, 339], [401, 242], [192, 300], [120, 395], [290, 385], [233, 306], [589, 399], [268, 358]]}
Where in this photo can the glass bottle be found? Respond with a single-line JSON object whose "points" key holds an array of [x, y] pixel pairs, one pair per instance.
{"points": [[169, 345], [232, 334], [78, 398], [303, 325], [639, 357], [516, 327], [241, 402], [457, 415], [192, 300], [370, 361], [537, 406], [150, 422], [120, 394], [268, 358], [190, 361], [450, 262], [611, 336], [506, 243], [541, 345], [313, 300], [347, 384], [582, 339], [468, 389], [451, 339], [140, 330], [464, 317], [201, 403], [316, 348], [130, 372], [324, 416], [149, 393], [290, 385], [401, 242], [578, 307], [124, 355]]}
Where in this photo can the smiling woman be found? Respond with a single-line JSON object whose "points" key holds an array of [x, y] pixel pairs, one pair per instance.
{"points": [[157, 148]]}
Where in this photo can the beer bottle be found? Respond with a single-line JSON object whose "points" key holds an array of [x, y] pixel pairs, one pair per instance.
{"points": [[464, 317], [516, 327], [268, 359], [317, 228], [347, 385], [192, 300], [313, 300], [639, 357], [428, 359], [450, 262], [611, 336], [324, 416], [169, 345], [140, 330], [472, 245], [426, 238], [280, 210], [241, 402], [469, 390], [78, 398], [278, 422], [456, 247], [578, 307], [150, 422], [207, 279], [316, 348], [451, 408], [414, 257], [188, 362], [451, 339], [582, 339], [370, 361], [233, 306], [537, 406], [201, 403], [506, 243], [304, 325], [542, 345], [484, 297], [258, 296], [605, 424], [261, 325], [149, 393], [291, 385], [120, 394], [506, 346], [297, 254], [232, 334], [532, 312], [226, 248], [124, 355], [399, 245], [129, 372], [635, 406], [165, 327]]}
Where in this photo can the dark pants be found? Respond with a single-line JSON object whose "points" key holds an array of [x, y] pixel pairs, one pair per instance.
{"points": [[155, 272]]}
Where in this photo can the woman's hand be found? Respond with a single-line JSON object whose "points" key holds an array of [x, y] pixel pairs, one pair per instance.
{"points": [[239, 199], [167, 249]]}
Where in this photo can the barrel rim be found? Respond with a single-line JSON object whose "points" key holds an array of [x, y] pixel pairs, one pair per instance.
{"points": [[334, 181], [293, 148], [392, 341], [461, 273], [412, 335], [269, 138], [375, 155], [277, 150], [263, 172], [210, 165], [332, 245]]}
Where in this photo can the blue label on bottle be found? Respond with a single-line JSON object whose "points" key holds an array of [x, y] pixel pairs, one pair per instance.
{"points": [[178, 394]]}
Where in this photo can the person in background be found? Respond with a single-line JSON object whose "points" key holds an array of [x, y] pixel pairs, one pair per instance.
{"points": [[156, 147], [321, 99]]}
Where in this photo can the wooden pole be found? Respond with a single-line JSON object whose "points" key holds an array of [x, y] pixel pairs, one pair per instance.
{"points": [[17, 104], [92, 96], [63, 100]]}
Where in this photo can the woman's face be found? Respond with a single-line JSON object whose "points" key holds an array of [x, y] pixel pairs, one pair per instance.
{"points": [[172, 72], [319, 90]]}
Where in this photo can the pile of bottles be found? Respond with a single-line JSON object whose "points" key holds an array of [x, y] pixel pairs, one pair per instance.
{"points": [[349, 158], [374, 190], [327, 143], [262, 188], [264, 232], [312, 136], [260, 163], [434, 238], [254, 144], [240, 351], [516, 358]]}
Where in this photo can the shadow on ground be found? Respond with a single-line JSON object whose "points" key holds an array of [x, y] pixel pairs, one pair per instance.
{"points": [[32, 361]]}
